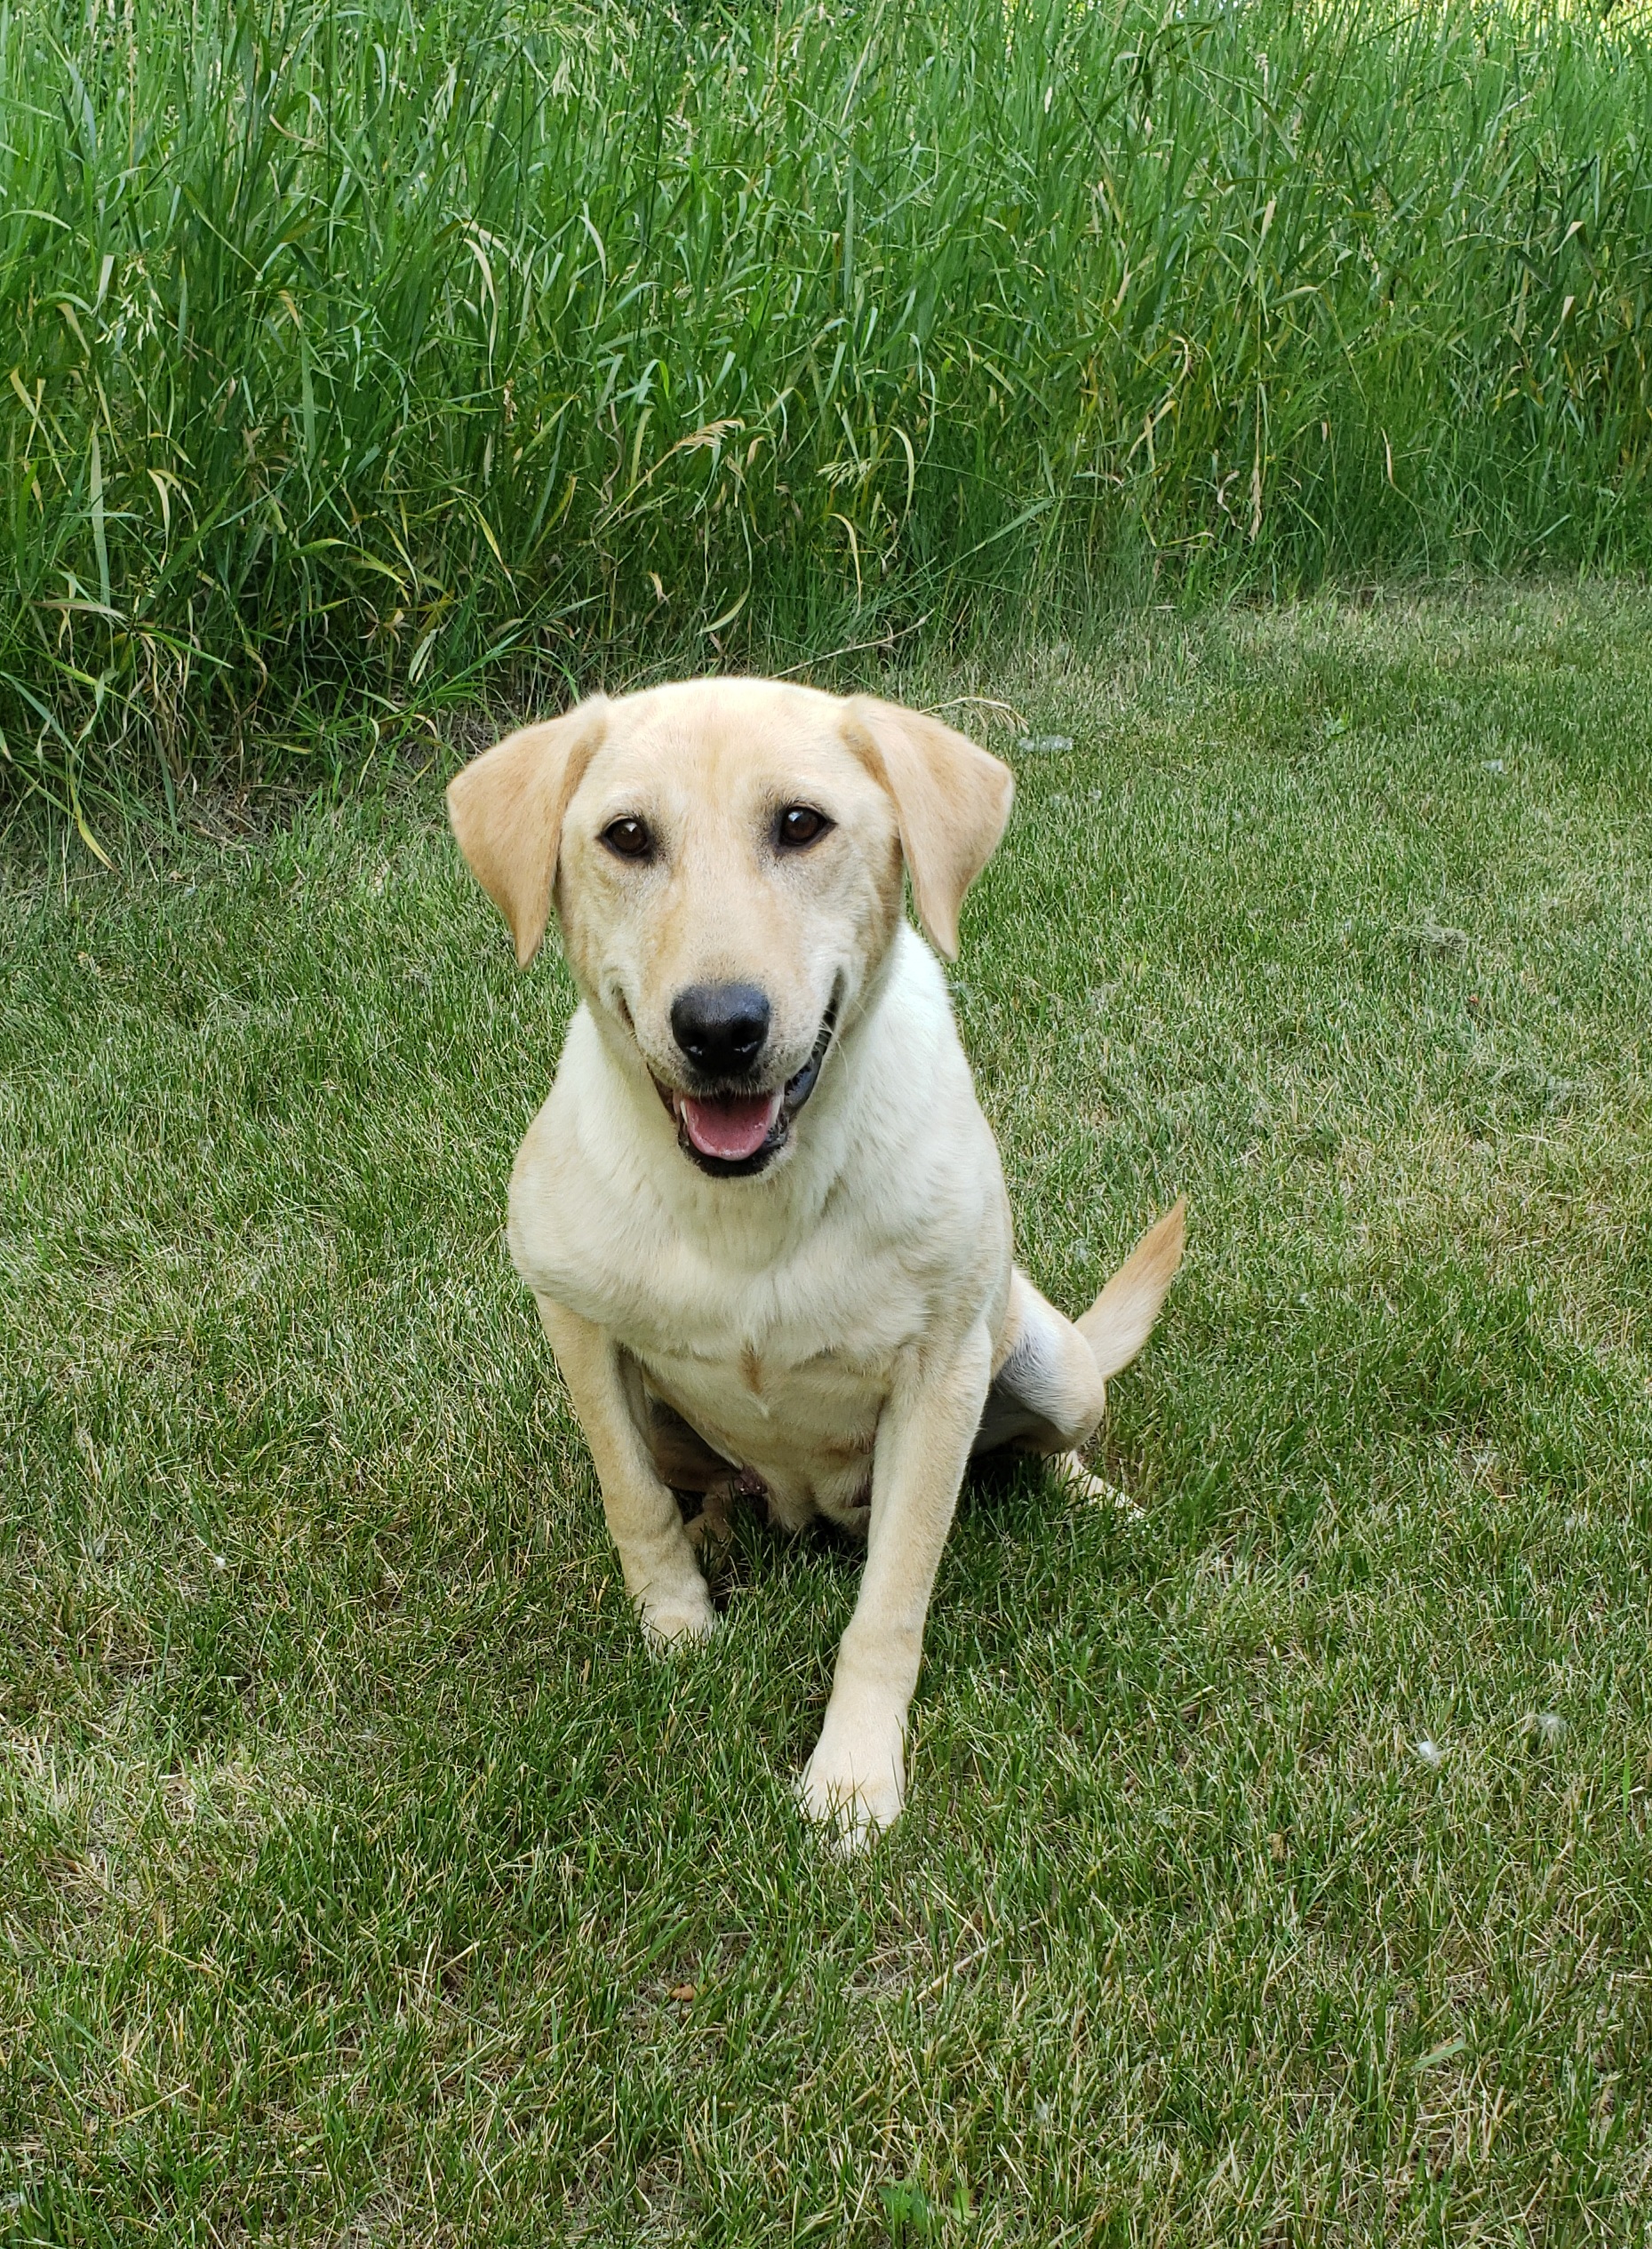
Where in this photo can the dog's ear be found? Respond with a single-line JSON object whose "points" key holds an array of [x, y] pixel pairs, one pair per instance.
{"points": [[507, 808], [951, 802]]}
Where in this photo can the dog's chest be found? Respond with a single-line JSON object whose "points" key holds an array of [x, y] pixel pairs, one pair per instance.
{"points": [[809, 1349], [783, 1365], [811, 1426]]}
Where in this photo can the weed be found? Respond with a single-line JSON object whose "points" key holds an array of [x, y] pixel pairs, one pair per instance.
{"points": [[362, 359]]}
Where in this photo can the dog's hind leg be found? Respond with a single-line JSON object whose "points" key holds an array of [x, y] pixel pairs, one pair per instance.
{"points": [[683, 1460], [687, 1463], [1049, 1392]]}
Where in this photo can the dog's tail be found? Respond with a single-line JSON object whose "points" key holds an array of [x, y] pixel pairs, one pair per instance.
{"points": [[1121, 1320]]}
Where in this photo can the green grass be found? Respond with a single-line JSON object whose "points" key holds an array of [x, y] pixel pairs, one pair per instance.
{"points": [[357, 356], [354, 1849]]}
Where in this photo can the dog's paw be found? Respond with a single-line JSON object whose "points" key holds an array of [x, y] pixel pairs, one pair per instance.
{"points": [[711, 1528], [677, 1620], [855, 1790], [1070, 1472]]}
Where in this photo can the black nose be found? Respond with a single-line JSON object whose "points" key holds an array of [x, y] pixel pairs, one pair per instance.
{"points": [[721, 1027]]}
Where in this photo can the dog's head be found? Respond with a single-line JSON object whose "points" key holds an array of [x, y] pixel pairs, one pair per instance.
{"points": [[725, 860]]}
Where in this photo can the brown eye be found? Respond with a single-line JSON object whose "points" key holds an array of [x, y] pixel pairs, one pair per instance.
{"points": [[629, 839], [798, 825]]}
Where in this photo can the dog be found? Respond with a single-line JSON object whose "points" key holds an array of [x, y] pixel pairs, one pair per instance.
{"points": [[761, 1212]]}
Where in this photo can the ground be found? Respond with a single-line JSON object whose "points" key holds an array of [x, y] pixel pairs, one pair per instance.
{"points": [[1276, 1867]]}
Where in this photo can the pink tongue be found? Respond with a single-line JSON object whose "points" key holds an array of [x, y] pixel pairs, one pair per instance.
{"points": [[731, 1129]]}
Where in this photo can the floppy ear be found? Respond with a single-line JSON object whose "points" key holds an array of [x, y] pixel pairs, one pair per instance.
{"points": [[507, 808], [951, 801]]}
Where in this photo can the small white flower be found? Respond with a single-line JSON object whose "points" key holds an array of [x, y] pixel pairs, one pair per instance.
{"points": [[1548, 1726], [1431, 1753]]}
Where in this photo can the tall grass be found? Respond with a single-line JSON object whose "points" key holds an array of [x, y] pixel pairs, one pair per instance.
{"points": [[355, 353]]}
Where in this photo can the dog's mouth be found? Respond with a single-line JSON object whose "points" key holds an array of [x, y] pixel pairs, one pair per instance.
{"points": [[733, 1135]]}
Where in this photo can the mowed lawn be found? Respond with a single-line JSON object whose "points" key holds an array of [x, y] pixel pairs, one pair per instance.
{"points": [[1276, 1867]]}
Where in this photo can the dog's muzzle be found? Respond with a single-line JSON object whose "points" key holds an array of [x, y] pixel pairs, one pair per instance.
{"points": [[713, 1130]]}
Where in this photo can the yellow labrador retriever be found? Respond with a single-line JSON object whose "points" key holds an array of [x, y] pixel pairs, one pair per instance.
{"points": [[762, 1214]]}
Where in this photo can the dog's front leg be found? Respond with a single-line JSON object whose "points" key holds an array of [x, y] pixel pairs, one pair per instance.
{"points": [[855, 1779], [661, 1575]]}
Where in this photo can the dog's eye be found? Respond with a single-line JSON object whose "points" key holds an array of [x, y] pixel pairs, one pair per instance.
{"points": [[630, 839], [798, 825]]}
